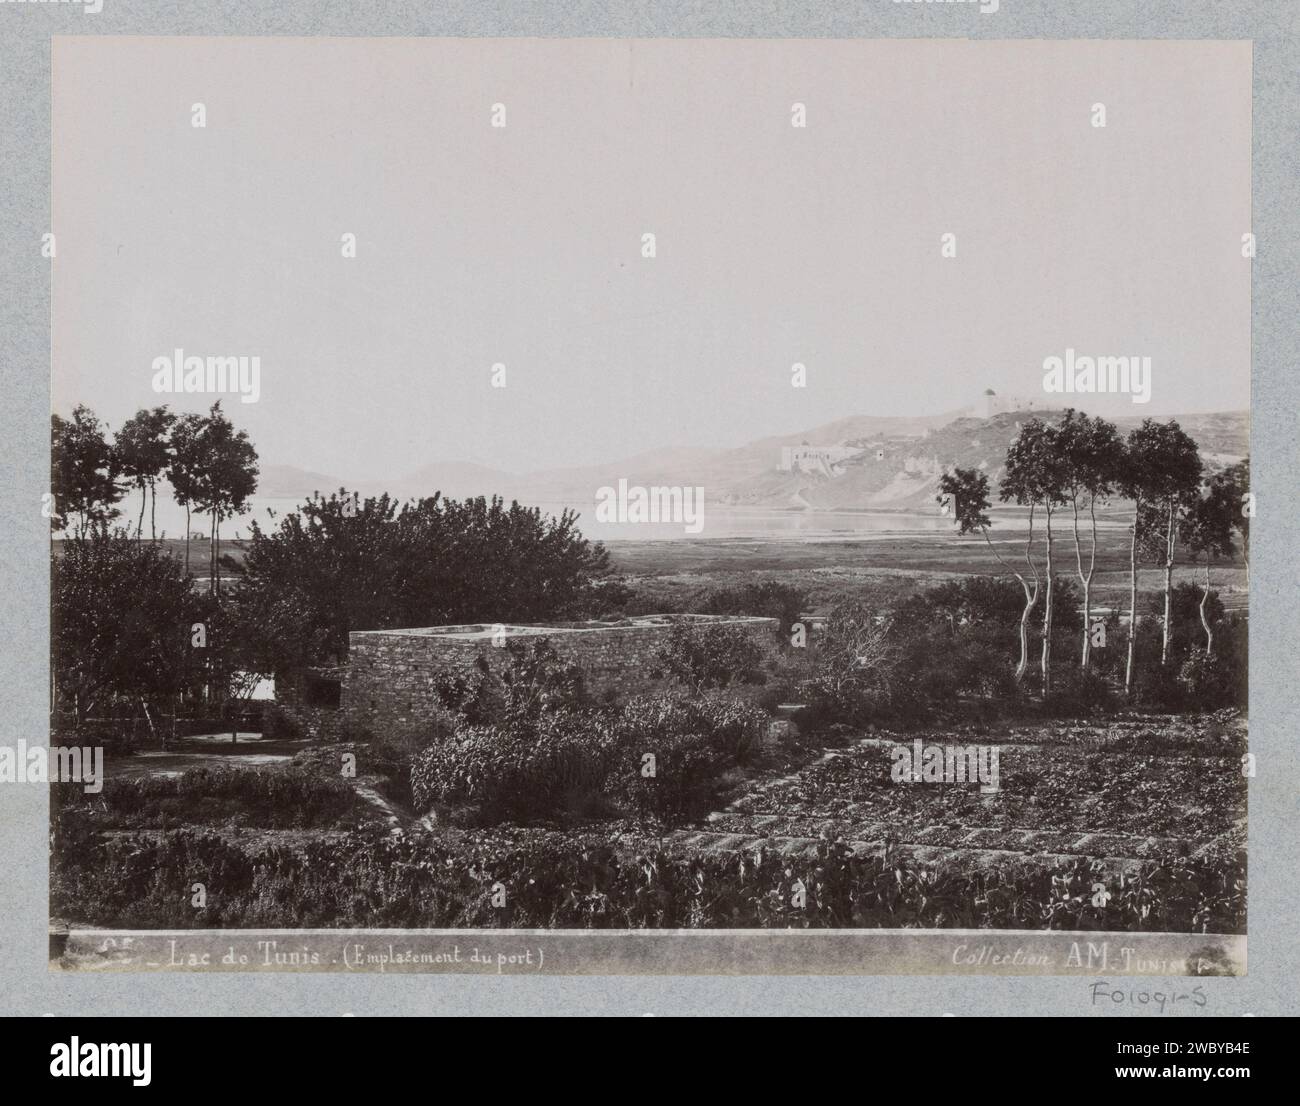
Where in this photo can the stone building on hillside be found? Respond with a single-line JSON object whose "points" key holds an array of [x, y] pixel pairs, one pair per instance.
{"points": [[823, 459], [990, 404]]}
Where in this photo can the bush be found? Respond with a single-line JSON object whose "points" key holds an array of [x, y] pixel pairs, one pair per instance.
{"points": [[1214, 682], [278, 799], [1190, 680], [1079, 693], [516, 772], [767, 599], [586, 882], [704, 657], [569, 763]]}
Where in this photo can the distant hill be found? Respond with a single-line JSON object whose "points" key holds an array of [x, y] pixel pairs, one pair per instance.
{"points": [[289, 481], [454, 479], [898, 468], [897, 472]]}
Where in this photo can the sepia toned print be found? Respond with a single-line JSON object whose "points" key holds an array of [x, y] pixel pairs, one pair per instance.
{"points": [[554, 506]]}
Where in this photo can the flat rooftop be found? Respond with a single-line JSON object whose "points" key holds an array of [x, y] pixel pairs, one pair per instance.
{"points": [[480, 631]]}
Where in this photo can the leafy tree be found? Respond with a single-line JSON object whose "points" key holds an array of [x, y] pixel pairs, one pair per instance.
{"points": [[143, 454], [121, 617], [1090, 452], [1206, 528], [967, 490], [225, 478], [1035, 476], [184, 468], [83, 471], [1162, 471], [340, 563]]}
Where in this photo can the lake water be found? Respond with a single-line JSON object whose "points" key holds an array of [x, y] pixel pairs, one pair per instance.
{"points": [[718, 522]]}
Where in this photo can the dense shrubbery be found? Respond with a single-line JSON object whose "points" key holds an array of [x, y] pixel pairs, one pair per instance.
{"points": [[703, 657], [767, 599], [274, 799], [950, 651], [558, 880], [568, 761], [762, 598], [1190, 680]]}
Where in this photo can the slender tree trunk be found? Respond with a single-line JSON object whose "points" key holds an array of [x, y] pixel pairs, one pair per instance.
{"points": [[1085, 581], [1169, 583], [153, 511], [1209, 634], [1030, 597], [1031, 601], [212, 556], [1087, 585], [187, 541], [1132, 601], [144, 498], [1047, 611]]}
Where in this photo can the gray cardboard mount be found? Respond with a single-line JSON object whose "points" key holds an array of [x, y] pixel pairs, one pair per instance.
{"points": [[29, 988]]}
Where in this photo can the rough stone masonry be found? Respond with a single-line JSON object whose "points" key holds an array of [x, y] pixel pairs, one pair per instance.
{"points": [[390, 676]]}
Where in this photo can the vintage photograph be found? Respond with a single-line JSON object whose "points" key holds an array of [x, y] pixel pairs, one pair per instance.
{"points": [[652, 506]]}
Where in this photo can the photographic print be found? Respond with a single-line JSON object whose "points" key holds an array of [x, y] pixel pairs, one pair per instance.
{"points": [[650, 506]]}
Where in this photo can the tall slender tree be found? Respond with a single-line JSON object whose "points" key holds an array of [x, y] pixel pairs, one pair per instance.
{"points": [[1090, 450], [226, 477], [1164, 468], [1206, 528], [185, 466], [143, 454], [1033, 477], [967, 492]]}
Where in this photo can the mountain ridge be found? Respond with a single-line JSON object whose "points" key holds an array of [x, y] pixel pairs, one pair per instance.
{"points": [[898, 467]]}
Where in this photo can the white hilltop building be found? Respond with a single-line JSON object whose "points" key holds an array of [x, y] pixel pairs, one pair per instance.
{"points": [[823, 459], [990, 404]]}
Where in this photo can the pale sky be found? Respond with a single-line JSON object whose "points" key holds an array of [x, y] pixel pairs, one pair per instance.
{"points": [[522, 245]]}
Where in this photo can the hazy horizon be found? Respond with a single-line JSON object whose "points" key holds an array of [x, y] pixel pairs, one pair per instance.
{"points": [[521, 245]]}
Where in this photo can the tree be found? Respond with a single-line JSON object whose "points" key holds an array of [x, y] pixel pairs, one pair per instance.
{"points": [[1034, 477], [855, 661], [121, 617], [185, 466], [225, 478], [1206, 528], [1162, 474], [967, 492], [143, 453], [1090, 452], [1238, 479], [83, 472], [340, 563]]}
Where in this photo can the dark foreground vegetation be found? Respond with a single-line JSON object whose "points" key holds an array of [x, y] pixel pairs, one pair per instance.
{"points": [[684, 798], [579, 881]]}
